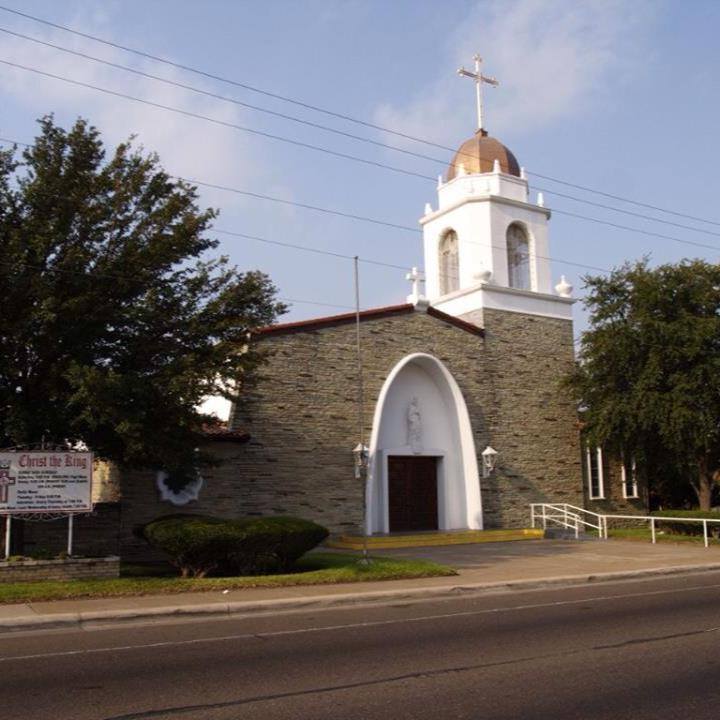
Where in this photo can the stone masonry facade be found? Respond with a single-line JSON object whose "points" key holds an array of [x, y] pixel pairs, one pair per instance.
{"points": [[532, 419], [301, 413]]}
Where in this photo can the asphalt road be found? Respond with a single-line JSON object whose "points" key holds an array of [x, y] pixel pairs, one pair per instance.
{"points": [[635, 650]]}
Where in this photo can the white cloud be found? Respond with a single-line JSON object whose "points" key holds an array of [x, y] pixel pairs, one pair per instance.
{"points": [[553, 58], [186, 146]]}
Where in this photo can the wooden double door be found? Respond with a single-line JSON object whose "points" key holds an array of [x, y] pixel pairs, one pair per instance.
{"points": [[412, 493]]}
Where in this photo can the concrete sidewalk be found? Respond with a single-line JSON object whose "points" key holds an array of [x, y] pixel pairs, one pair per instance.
{"points": [[485, 568]]}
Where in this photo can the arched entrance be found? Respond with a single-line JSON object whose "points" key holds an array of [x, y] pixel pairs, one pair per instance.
{"points": [[422, 472]]}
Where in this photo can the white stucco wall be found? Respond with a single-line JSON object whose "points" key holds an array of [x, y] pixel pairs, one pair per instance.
{"points": [[480, 208]]}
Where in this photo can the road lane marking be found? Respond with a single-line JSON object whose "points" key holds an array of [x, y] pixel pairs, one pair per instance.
{"points": [[348, 626]]}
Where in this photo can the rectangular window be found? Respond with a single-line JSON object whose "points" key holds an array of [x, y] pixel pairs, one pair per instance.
{"points": [[594, 473], [629, 481]]}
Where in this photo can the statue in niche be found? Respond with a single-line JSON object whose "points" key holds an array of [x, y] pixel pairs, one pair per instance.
{"points": [[414, 422]]}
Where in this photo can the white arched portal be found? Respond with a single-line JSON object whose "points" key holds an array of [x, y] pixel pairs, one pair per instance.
{"points": [[421, 412]]}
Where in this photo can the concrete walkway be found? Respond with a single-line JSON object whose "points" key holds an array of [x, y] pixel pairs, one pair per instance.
{"points": [[483, 568]]}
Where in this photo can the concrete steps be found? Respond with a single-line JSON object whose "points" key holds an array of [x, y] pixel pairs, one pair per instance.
{"points": [[427, 539]]}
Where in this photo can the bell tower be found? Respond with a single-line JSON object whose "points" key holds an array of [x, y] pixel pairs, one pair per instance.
{"points": [[486, 244]]}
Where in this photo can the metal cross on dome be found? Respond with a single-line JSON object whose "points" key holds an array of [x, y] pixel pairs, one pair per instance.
{"points": [[479, 79]]}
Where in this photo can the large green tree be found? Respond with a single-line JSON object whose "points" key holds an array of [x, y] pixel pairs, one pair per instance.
{"points": [[114, 324], [648, 379]]}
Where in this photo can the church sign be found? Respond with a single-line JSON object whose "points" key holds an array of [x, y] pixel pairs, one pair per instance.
{"points": [[45, 482]]}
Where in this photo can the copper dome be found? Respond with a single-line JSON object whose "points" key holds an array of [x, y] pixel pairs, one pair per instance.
{"points": [[478, 154]]}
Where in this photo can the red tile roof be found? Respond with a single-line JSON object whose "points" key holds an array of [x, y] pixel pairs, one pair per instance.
{"points": [[220, 431], [372, 314]]}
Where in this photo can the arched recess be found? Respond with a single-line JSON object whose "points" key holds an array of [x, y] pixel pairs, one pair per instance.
{"points": [[449, 262], [519, 257], [446, 435]]}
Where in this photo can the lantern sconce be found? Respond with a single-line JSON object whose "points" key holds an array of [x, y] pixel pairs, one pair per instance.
{"points": [[489, 461], [360, 454]]}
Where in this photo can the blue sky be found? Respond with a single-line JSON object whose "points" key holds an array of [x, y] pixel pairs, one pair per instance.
{"points": [[618, 96]]}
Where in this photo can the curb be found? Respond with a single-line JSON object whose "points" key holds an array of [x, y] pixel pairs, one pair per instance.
{"points": [[248, 607]]}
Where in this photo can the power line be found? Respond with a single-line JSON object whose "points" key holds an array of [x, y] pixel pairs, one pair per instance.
{"points": [[418, 231], [325, 111], [118, 276], [325, 128], [626, 212], [361, 160], [635, 230], [345, 155], [225, 98], [215, 121], [624, 199]]}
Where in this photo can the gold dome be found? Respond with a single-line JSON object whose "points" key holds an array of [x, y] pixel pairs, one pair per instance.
{"points": [[478, 154]]}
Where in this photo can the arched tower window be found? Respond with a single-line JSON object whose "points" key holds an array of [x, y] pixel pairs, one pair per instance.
{"points": [[518, 257], [448, 262]]}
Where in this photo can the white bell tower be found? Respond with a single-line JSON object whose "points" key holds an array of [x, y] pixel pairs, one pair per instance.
{"points": [[486, 244]]}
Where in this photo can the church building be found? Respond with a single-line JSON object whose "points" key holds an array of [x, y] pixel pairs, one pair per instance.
{"points": [[445, 412]]}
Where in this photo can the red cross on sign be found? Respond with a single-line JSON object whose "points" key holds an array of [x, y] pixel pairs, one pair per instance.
{"points": [[5, 481]]}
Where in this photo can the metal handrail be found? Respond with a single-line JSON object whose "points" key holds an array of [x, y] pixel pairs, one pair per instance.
{"points": [[568, 511]]}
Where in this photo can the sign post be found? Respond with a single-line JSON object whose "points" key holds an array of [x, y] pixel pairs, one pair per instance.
{"points": [[42, 482]]}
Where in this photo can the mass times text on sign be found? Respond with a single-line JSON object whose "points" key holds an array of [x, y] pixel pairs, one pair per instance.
{"points": [[42, 482]]}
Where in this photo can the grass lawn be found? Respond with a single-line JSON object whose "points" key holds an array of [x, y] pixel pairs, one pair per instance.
{"points": [[313, 569], [645, 535]]}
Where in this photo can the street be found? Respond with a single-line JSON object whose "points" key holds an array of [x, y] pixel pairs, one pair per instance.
{"points": [[641, 649]]}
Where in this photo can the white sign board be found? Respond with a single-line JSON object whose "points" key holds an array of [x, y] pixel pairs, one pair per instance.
{"points": [[41, 482]]}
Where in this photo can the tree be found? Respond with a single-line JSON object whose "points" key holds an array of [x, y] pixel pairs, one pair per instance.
{"points": [[649, 375], [114, 326]]}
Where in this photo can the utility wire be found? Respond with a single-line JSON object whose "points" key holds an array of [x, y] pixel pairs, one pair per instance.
{"points": [[325, 111], [355, 158], [418, 231], [326, 128], [225, 98], [625, 212], [215, 121]]}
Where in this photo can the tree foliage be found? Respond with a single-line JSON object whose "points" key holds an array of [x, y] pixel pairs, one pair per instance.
{"points": [[649, 376], [113, 325]]}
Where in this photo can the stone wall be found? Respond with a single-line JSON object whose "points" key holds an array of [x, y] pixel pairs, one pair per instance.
{"points": [[532, 419], [302, 416], [70, 569], [95, 534], [221, 495], [614, 502]]}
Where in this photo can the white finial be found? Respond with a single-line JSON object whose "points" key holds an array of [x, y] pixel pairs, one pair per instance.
{"points": [[484, 276], [461, 169], [523, 174], [479, 79], [428, 208], [541, 200], [564, 288], [496, 166], [416, 277], [440, 182]]}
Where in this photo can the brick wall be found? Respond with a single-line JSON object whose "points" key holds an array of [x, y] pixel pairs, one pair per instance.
{"points": [[72, 569], [94, 534]]}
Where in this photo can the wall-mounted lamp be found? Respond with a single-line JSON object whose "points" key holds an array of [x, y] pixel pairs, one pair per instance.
{"points": [[360, 454], [489, 459]]}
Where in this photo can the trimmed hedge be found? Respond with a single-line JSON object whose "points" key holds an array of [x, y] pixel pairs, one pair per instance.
{"points": [[687, 528], [200, 545]]}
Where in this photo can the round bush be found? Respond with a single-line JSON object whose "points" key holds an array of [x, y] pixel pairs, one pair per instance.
{"points": [[201, 545]]}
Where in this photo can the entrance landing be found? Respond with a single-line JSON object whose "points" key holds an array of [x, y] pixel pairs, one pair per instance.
{"points": [[428, 539]]}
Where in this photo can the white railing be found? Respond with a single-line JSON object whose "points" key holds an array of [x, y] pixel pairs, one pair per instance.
{"points": [[567, 516], [573, 518]]}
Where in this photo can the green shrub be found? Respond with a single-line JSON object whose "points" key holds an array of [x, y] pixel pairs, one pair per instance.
{"points": [[688, 528], [200, 545]]}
